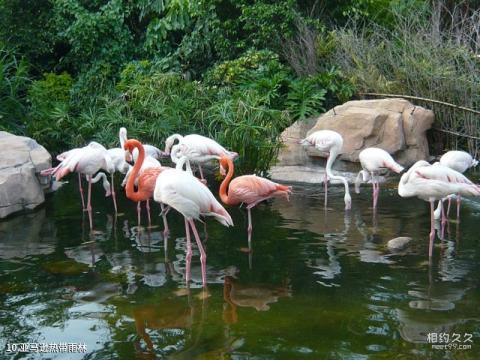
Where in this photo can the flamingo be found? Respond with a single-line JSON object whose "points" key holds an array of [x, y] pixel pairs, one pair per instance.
{"points": [[434, 182], [459, 161], [331, 142], [197, 148], [145, 177], [248, 189], [186, 194], [87, 160], [373, 160], [150, 150], [118, 154]]}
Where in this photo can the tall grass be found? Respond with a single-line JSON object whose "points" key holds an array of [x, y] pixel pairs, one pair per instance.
{"points": [[431, 53], [13, 82]]}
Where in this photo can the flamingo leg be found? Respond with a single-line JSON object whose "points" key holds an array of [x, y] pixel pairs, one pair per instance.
{"points": [[377, 192], [325, 183], [139, 211], [449, 203], [459, 199], [432, 228], [249, 229], [89, 203], [444, 221], [188, 256], [164, 213], [148, 213], [202, 179], [80, 188], [113, 196], [203, 254]]}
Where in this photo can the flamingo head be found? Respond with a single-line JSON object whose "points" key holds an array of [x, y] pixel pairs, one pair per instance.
{"points": [[129, 147], [348, 201], [223, 165], [123, 133]]}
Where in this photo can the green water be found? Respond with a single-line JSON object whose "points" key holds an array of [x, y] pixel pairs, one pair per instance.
{"points": [[318, 284]]}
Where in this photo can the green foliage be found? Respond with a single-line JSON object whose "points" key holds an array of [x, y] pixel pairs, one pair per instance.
{"points": [[247, 126], [253, 65], [13, 82], [160, 67], [27, 27], [50, 123], [305, 98]]}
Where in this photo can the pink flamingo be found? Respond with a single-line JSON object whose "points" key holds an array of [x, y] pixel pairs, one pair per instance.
{"points": [[374, 160], [197, 148], [331, 142], [459, 161], [186, 194], [434, 182], [248, 189], [87, 160], [146, 178]]}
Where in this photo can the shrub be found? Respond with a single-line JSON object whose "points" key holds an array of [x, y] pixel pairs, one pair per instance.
{"points": [[13, 82], [49, 116]]}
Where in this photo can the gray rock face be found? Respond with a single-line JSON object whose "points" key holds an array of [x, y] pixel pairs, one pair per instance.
{"points": [[21, 186]]}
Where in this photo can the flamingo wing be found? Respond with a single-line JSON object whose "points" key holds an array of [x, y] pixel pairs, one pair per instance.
{"points": [[147, 180], [442, 173], [250, 188]]}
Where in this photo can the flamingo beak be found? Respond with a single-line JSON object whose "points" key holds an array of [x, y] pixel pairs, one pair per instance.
{"points": [[128, 156], [222, 171]]}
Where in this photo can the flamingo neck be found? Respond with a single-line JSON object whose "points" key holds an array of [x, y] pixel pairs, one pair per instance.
{"points": [[129, 188], [181, 162], [331, 158], [122, 139], [224, 185]]}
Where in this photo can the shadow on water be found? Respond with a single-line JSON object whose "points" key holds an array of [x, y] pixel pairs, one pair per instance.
{"points": [[318, 283]]}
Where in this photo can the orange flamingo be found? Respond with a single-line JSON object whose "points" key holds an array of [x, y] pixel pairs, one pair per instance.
{"points": [[248, 189], [146, 181]]}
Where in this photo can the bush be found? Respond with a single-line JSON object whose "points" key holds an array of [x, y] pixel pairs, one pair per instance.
{"points": [[13, 83], [423, 57], [49, 118]]}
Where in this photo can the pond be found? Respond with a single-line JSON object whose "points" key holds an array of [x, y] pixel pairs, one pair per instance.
{"points": [[317, 284]]}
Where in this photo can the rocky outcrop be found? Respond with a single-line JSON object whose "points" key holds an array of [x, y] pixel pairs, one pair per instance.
{"points": [[395, 125], [21, 161]]}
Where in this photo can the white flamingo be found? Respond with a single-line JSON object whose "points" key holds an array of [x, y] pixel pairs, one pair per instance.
{"points": [[197, 148], [118, 154], [331, 142], [88, 161], [460, 161], [434, 182], [373, 161], [186, 194], [150, 150]]}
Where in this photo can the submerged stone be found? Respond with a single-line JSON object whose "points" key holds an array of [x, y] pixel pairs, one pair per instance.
{"points": [[399, 243]]}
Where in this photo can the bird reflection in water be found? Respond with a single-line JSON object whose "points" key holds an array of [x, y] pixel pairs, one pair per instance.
{"points": [[257, 296]]}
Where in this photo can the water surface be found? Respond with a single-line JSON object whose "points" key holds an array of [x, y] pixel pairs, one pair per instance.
{"points": [[318, 283]]}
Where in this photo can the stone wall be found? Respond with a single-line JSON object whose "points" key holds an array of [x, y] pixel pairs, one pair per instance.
{"points": [[21, 160]]}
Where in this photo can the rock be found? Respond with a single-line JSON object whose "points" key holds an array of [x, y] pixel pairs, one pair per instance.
{"points": [[21, 187], [399, 243], [395, 125]]}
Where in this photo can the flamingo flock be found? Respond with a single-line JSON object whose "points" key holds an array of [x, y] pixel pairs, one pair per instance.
{"points": [[179, 189]]}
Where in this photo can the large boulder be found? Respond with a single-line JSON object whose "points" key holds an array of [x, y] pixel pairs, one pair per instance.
{"points": [[21, 187], [395, 125]]}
